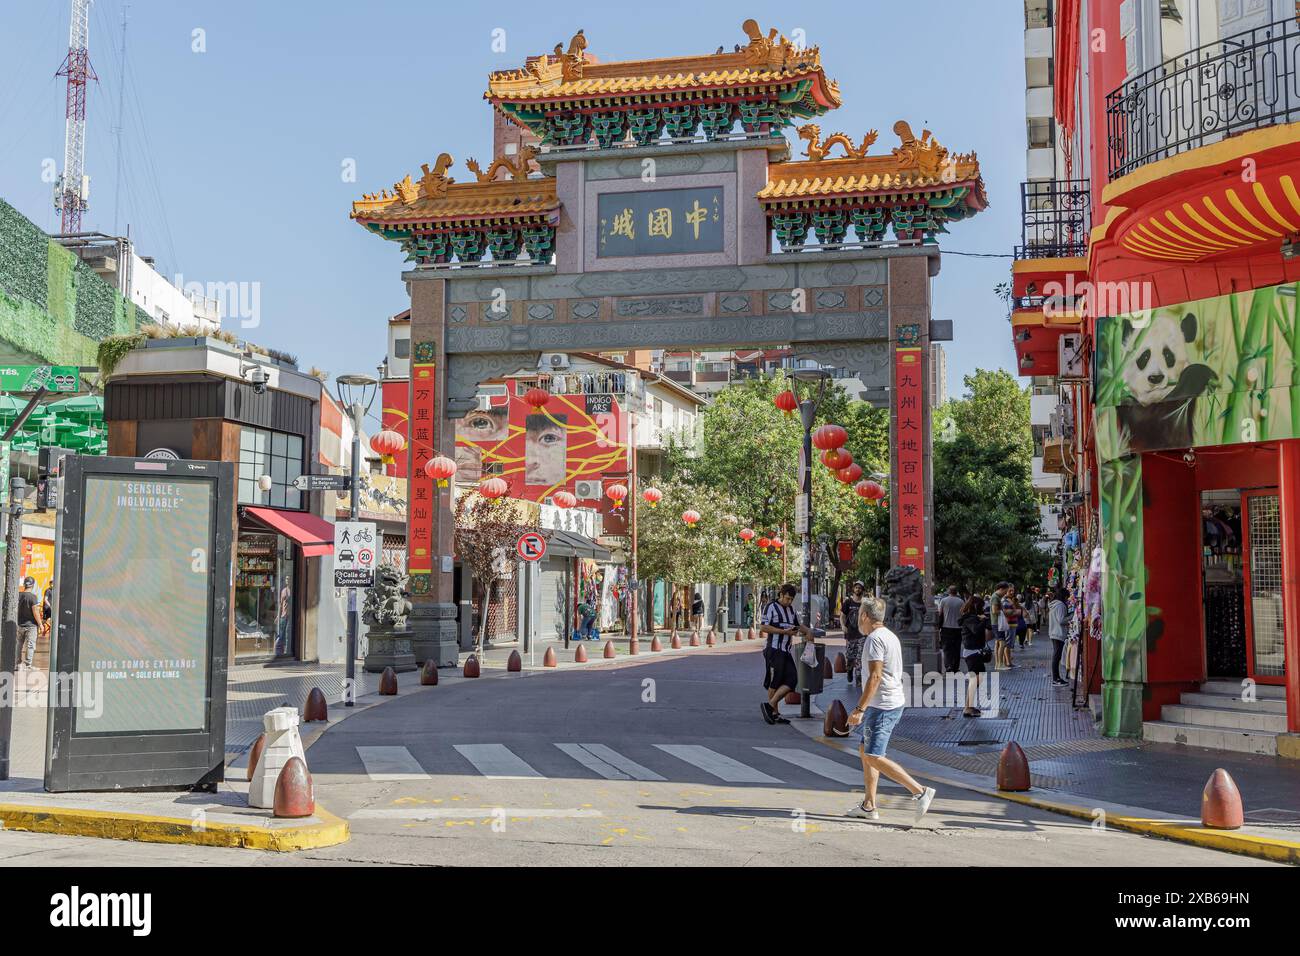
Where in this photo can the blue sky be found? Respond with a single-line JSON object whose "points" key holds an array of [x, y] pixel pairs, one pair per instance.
{"points": [[234, 156]]}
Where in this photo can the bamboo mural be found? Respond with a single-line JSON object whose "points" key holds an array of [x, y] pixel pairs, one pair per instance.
{"points": [[1124, 605]]}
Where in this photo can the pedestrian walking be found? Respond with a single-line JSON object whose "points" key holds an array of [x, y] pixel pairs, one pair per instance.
{"points": [[30, 619], [950, 608], [697, 612], [1057, 612], [780, 674], [675, 609], [975, 650], [1032, 617], [878, 711], [998, 621], [853, 639]]}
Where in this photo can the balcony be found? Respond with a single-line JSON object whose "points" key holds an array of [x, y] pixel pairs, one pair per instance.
{"points": [[1239, 83], [1055, 217]]}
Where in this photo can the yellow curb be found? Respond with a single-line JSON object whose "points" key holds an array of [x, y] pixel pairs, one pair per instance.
{"points": [[329, 830], [1261, 848], [1246, 844]]}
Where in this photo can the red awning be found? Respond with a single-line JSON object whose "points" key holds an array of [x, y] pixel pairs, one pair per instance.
{"points": [[315, 535]]}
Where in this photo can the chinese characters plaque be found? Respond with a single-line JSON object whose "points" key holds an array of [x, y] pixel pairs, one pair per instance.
{"points": [[660, 222], [907, 496], [422, 488]]}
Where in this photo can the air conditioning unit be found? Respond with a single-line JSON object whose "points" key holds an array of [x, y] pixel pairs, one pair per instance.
{"points": [[587, 490], [1070, 357], [553, 361]]}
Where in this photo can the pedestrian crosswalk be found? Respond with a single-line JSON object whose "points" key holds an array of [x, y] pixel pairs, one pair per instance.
{"points": [[769, 766]]}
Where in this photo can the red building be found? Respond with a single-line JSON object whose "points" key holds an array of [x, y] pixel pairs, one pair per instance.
{"points": [[1156, 283]]}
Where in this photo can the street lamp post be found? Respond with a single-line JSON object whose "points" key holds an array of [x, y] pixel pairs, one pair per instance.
{"points": [[807, 415], [356, 393]]}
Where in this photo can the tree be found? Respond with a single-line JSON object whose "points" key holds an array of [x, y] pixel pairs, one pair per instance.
{"points": [[986, 523], [487, 530], [670, 549], [995, 411]]}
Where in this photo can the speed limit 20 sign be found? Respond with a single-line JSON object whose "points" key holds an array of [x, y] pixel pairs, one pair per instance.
{"points": [[531, 546]]}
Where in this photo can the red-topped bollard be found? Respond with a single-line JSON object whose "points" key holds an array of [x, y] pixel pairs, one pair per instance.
{"points": [[841, 664], [655, 644], [609, 652], [828, 672], [294, 794], [793, 697], [580, 655], [677, 641], [255, 754], [836, 722], [315, 708], [515, 663], [1013, 769], [548, 659], [709, 639], [388, 682], [429, 673], [471, 666], [695, 638], [1221, 802]]}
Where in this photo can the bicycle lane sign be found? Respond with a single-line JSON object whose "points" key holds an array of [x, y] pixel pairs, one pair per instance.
{"points": [[356, 554]]}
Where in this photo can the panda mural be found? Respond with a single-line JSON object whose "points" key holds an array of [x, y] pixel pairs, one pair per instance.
{"points": [[1163, 382]]}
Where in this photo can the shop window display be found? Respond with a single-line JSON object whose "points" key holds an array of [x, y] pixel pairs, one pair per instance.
{"points": [[264, 597]]}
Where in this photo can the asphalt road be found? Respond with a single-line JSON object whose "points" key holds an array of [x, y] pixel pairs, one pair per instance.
{"points": [[660, 763]]}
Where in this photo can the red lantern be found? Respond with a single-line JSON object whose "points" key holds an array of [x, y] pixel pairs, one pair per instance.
{"points": [[850, 474], [778, 544], [690, 517], [440, 469], [870, 490], [563, 499], [387, 444], [764, 544], [746, 534], [616, 494], [829, 436], [493, 488], [786, 402], [836, 458], [652, 496], [537, 397]]}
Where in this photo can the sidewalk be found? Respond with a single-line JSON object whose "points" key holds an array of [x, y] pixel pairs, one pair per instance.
{"points": [[1074, 769]]}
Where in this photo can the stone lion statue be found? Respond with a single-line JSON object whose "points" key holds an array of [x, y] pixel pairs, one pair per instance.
{"points": [[386, 604], [904, 600]]}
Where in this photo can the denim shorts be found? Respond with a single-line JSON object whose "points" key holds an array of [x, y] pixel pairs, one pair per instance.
{"points": [[875, 729]]}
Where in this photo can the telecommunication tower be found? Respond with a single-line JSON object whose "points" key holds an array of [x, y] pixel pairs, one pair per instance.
{"points": [[70, 198]]}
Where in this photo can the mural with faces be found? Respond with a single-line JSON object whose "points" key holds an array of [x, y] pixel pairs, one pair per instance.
{"points": [[1211, 372], [540, 451]]}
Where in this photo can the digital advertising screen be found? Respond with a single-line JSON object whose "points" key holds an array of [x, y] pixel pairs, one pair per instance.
{"points": [[145, 602]]}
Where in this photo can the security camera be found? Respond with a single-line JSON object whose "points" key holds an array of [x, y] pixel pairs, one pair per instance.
{"points": [[257, 378]]}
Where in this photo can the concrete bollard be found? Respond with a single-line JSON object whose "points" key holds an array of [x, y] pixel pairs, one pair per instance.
{"points": [[753, 634], [254, 752], [841, 664], [1221, 803], [548, 659], [633, 648], [429, 673], [793, 697], [828, 672], [580, 655], [471, 666], [676, 642], [740, 635], [710, 640], [515, 663], [609, 650], [315, 708], [655, 644], [1013, 769], [282, 743], [695, 638], [388, 682], [836, 722], [294, 794]]}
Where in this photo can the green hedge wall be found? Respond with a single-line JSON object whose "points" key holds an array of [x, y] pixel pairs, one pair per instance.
{"points": [[52, 305]]}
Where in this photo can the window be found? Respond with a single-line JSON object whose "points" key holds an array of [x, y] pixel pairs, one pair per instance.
{"points": [[276, 454], [401, 348]]}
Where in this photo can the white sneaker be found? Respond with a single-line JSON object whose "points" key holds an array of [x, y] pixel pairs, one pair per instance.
{"points": [[862, 813], [922, 803]]}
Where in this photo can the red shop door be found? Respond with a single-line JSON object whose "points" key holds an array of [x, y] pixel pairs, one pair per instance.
{"points": [[1265, 641]]}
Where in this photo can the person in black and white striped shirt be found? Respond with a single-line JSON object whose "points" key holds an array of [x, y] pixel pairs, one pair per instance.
{"points": [[780, 676]]}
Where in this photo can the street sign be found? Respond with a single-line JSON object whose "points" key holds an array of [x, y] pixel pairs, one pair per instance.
{"points": [[801, 514], [29, 378], [356, 549], [531, 546], [323, 482]]}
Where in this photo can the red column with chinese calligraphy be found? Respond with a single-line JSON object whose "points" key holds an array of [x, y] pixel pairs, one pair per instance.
{"points": [[421, 489], [907, 490]]}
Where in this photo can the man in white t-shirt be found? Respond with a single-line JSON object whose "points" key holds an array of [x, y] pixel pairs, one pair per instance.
{"points": [[878, 711]]}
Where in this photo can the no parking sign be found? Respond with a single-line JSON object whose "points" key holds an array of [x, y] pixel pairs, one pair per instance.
{"points": [[531, 546]]}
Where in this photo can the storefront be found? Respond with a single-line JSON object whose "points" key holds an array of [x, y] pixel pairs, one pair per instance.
{"points": [[269, 570]]}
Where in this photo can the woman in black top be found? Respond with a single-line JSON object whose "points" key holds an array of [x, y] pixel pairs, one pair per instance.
{"points": [[697, 611], [974, 647]]}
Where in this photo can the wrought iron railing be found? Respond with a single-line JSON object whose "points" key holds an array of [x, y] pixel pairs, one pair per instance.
{"points": [[1238, 83], [1055, 218]]}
